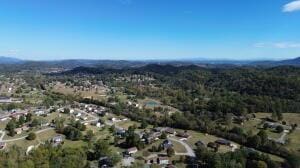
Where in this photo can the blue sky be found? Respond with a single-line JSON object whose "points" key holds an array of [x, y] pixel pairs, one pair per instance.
{"points": [[150, 29]]}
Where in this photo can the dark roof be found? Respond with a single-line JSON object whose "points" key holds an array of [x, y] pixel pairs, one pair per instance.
{"points": [[223, 142], [199, 143]]}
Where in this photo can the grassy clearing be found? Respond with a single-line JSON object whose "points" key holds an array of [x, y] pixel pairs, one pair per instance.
{"points": [[294, 141], [290, 118], [24, 144], [178, 147], [99, 93], [74, 144], [251, 125], [41, 137], [3, 124]]}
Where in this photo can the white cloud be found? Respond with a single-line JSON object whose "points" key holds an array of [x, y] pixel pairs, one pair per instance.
{"points": [[292, 6], [282, 45]]}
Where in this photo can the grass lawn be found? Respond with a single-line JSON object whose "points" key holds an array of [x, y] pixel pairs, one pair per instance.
{"points": [[126, 124], [272, 134], [178, 147], [196, 136], [73, 144], [290, 118], [24, 144], [44, 136], [41, 137], [294, 141], [3, 124], [251, 125], [66, 90]]}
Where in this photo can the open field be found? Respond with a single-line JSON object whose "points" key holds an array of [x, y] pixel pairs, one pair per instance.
{"points": [[196, 136], [294, 141], [42, 137], [290, 118], [99, 93]]}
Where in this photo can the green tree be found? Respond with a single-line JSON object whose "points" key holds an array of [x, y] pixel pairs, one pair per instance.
{"points": [[170, 152], [261, 164], [59, 124], [101, 149], [279, 129], [72, 133], [10, 127], [31, 136], [21, 120], [89, 135]]}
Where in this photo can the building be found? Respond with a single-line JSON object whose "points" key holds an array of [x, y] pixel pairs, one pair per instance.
{"points": [[163, 160], [184, 135], [120, 132], [4, 99], [18, 130], [131, 151], [153, 137], [58, 139], [223, 142], [39, 112], [155, 159], [25, 128], [170, 131]]}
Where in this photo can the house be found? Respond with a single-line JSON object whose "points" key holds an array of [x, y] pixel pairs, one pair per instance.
{"points": [[131, 151], [18, 130], [39, 112], [170, 131], [57, 139], [223, 142], [120, 132], [167, 144], [2, 145], [183, 135], [199, 143], [152, 159], [25, 128], [153, 137], [163, 160], [155, 159], [115, 119], [273, 125], [159, 129], [4, 99]]}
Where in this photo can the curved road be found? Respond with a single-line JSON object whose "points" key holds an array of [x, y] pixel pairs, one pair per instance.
{"points": [[190, 151]]}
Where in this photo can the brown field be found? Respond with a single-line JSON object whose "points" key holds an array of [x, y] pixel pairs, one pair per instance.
{"points": [[61, 88]]}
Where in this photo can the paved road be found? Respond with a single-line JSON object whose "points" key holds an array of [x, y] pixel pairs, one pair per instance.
{"points": [[190, 151]]}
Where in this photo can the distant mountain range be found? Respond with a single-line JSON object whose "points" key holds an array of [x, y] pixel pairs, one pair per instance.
{"points": [[292, 62], [10, 60], [118, 64]]}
